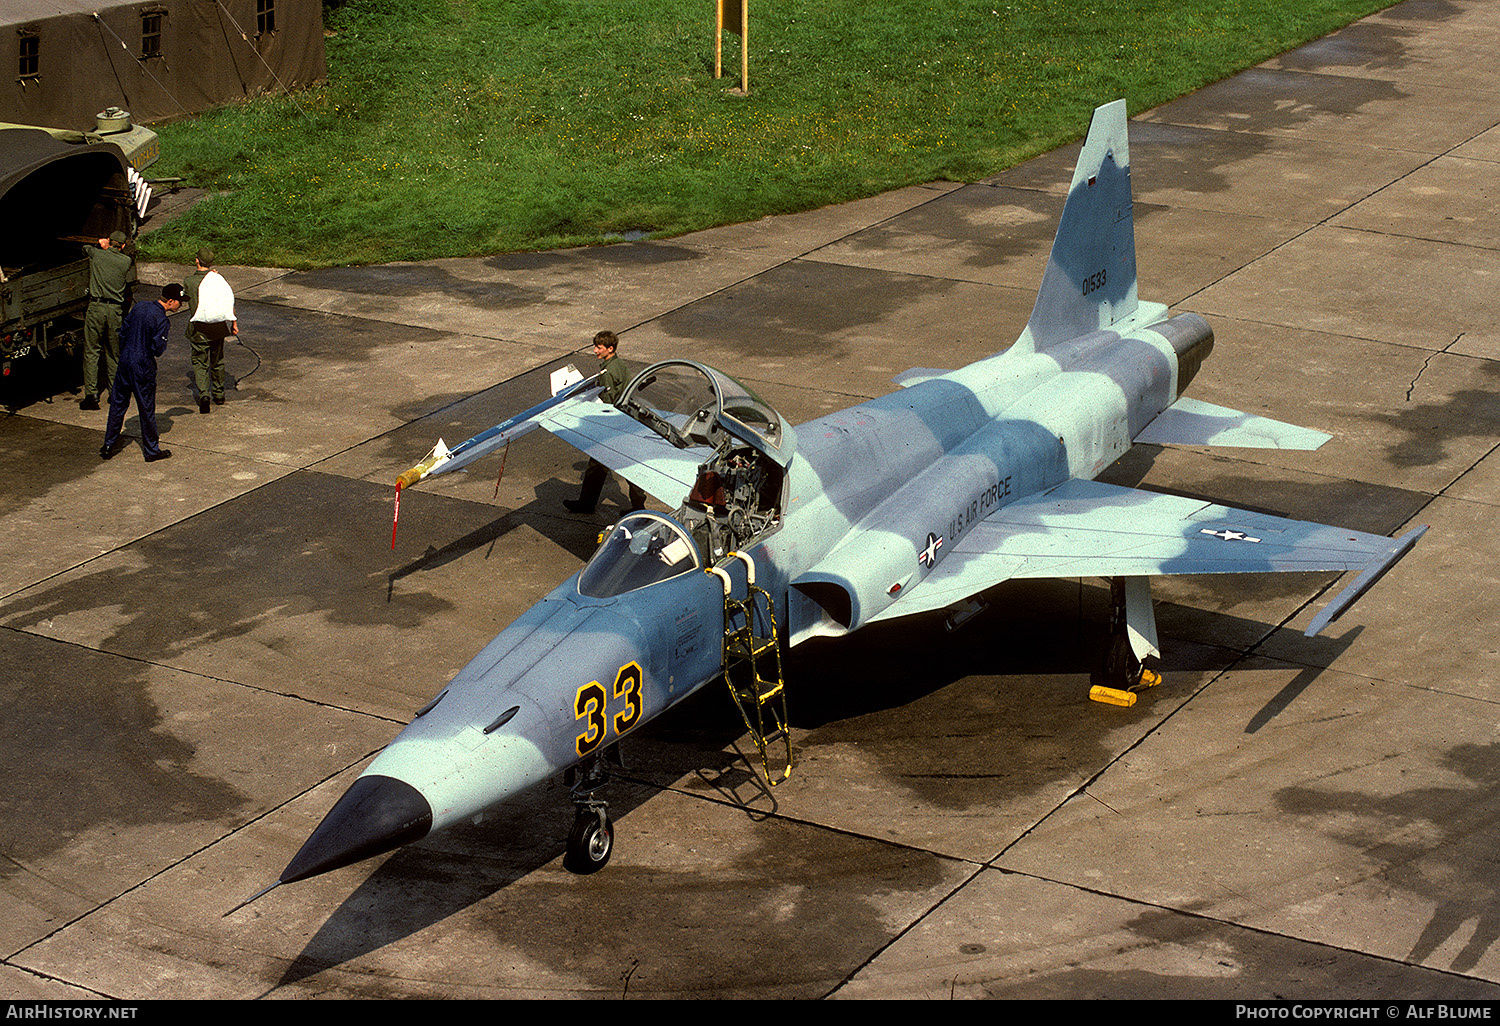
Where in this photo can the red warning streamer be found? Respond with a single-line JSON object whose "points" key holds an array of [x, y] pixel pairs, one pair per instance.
{"points": [[397, 517]]}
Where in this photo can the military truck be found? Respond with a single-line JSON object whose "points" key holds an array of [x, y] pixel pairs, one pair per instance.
{"points": [[59, 191]]}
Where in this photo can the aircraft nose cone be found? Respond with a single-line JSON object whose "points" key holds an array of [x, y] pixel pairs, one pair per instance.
{"points": [[377, 814]]}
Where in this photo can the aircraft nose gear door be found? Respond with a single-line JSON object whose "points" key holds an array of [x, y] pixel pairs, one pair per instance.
{"points": [[752, 669]]}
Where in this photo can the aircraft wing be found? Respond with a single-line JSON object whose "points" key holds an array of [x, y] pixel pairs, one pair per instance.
{"points": [[443, 460], [1089, 529], [597, 428], [625, 445]]}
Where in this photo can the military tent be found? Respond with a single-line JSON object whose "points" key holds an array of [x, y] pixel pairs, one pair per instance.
{"points": [[157, 59]]}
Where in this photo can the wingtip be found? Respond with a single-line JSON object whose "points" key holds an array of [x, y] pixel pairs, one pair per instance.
{"points": [[1364, 582]]}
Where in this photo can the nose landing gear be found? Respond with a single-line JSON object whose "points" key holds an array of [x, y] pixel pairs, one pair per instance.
{"points": [[592, 839]]}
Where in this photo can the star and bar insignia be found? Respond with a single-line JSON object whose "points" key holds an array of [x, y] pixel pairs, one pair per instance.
{"points": [[928, 556], [1228, 535]]}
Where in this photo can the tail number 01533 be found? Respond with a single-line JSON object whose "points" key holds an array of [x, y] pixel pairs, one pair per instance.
{"points": [[592, 705]]}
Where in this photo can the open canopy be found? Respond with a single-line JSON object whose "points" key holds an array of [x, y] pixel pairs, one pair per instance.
{"points": [[691, 404]]}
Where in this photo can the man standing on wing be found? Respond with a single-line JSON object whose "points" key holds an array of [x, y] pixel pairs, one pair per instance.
{"points": [[613, 377]]}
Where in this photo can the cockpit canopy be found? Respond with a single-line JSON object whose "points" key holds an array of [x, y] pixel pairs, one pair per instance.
{"points": [[642, 549], [738, 494], [691, 404]]}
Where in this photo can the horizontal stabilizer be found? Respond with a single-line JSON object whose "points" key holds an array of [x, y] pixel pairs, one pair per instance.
{"points": [[1190, 422], [917, 375]]}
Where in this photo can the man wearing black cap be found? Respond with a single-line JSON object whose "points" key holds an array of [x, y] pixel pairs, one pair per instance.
{"points": [[109, 277], [143, 337]]}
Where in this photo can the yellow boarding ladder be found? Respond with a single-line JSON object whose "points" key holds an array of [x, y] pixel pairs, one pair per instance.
{"points": [[752, 667]]}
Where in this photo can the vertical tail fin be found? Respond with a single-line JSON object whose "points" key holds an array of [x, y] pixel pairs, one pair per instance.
{"points": [[1090, 282]]}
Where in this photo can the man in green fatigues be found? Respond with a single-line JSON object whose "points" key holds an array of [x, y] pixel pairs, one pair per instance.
{"points": [[109, 280], [613, 376]]}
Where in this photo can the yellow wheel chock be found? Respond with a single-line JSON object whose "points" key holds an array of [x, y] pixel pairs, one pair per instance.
{"points": [[1119, 696]]}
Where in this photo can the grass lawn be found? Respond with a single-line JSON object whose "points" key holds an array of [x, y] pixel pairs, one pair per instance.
{"points": [[461, 127]]}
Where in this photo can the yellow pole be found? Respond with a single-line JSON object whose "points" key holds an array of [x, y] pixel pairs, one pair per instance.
{"points": [[737, 21], [744, 46], [719, 42]]}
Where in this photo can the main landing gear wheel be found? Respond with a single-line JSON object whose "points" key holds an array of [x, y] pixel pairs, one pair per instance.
{"points": [[1120, 667], [590, 842], [1123, 674]]}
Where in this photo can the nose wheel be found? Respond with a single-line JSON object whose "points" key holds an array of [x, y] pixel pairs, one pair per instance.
{"points": [[590, 842], [592, 839]]}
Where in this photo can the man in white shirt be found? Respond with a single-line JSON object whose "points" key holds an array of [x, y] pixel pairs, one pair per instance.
{"points": [[212, 320]]}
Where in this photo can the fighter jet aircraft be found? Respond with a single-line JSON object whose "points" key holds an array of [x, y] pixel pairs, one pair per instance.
{"points": [[919, 500]]}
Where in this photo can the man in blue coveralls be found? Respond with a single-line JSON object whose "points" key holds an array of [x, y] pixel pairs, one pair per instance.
{"points": [[143, 337]]}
